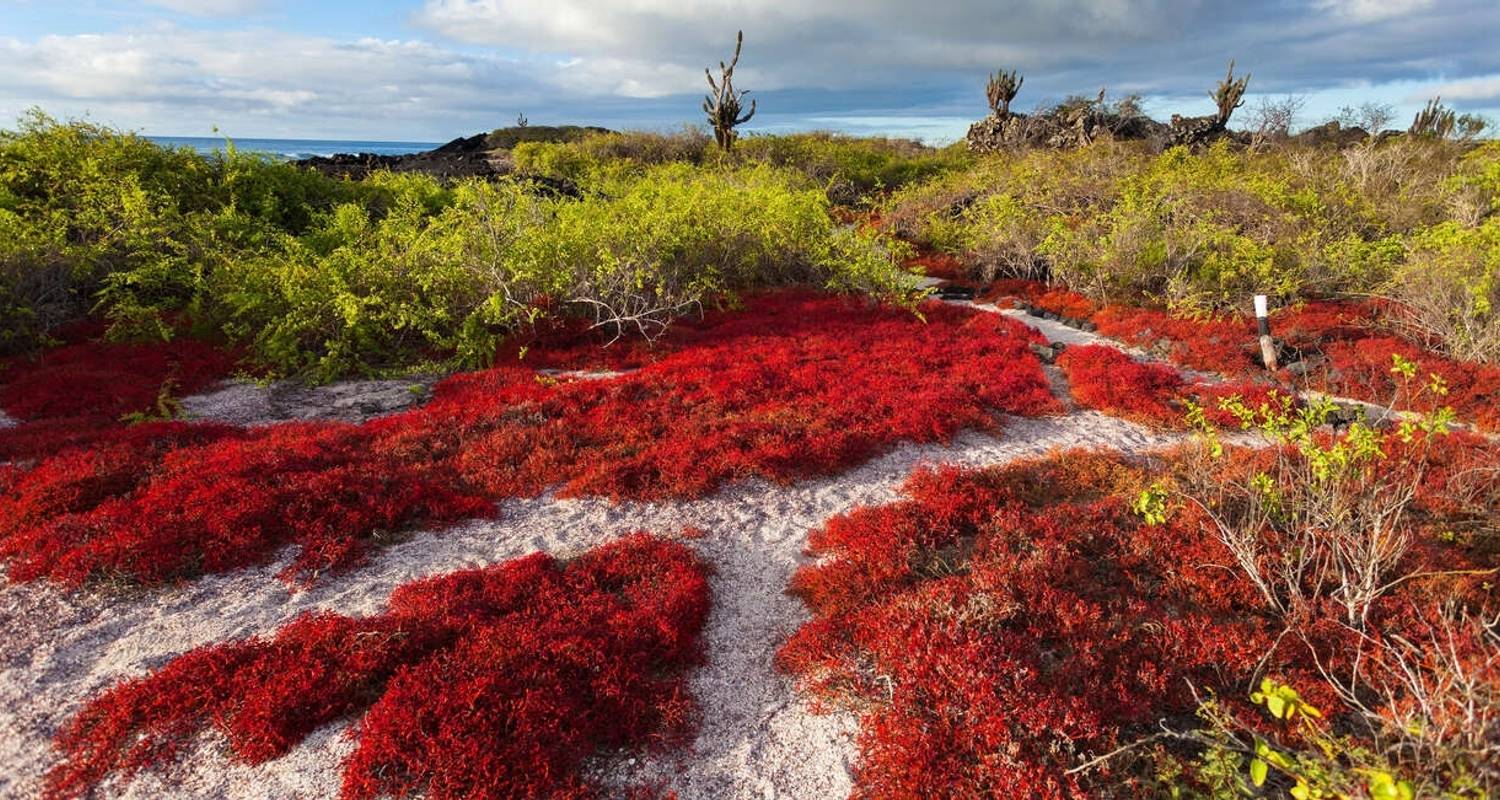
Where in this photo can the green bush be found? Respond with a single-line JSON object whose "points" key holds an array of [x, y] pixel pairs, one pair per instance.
{"points": [[1203, 230], [327, 277], [852, 168], [364, 294], [1448, 290], [91, 217], [848, 168], [596, 159]]}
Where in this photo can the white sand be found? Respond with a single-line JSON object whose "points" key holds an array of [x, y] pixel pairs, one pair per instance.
{"points": [[757, 740], [246, 403]]}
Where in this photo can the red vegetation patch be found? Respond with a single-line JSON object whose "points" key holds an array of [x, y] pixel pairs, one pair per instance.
{"points": [[1106, 379], [1060, 301], [494, 682], [1344, 355], [99, 379], [999, 627], [1225, 346], [1361, 369], [1026, 620], [798, 385], [1103, 378], [938, 265]]}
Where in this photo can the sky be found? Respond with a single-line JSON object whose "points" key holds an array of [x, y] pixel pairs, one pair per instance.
{"points": [[432, 70]]}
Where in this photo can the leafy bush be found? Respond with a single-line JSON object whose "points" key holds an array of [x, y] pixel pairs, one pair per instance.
{"points": [[361, 293], [1199, 231], [590, 159], [1325, 526], [516, 135], [847, 168], [495, 682], [850, 168], [329, 277], [1447, 292]]}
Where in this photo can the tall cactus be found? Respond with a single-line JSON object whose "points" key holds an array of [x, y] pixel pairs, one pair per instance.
{"points": [[1230, 94], [723, 104], [1434, 120], [1001, 89]]}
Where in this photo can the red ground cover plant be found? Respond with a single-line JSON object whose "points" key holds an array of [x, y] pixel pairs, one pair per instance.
{"points": [[998, 628], [1361, 368], [103, 379], [1060, 301], [1105, 379], [75, 395], [1342, 347], [1226, 346], [938, 265], [487, 683], [1024, 619], [794, 386]]}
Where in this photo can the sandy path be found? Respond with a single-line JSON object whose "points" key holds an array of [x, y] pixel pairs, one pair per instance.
{"points": [[757, 739]]}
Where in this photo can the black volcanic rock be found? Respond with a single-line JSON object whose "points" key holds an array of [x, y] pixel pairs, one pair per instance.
{"points": [[464, 157]]}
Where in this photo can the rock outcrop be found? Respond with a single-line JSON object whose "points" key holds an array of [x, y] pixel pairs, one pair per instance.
{"points": [[464, 157], [1062, 127]]}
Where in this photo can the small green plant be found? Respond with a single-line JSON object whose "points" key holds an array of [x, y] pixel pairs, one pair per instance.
{"points": [[1319, 766], [1327, 520], [1151, 504], [167, 407]]}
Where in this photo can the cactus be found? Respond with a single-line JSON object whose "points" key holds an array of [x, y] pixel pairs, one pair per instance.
{"points": [[723, 104], [1230, 94], [1001, 89], [522, 121], [1434, 120]]}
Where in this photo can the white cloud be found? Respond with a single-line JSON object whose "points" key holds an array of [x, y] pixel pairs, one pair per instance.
{"points": [[255, 79], [1373, 10], [661, 46], [640, 62], [1481, 88], [210, 8]]}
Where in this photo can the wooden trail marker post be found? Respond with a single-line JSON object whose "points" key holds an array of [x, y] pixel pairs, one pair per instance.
{"points": [[1263, 322]]}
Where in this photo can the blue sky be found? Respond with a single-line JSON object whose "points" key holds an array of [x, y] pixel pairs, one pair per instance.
{"points": [[430, 70]]}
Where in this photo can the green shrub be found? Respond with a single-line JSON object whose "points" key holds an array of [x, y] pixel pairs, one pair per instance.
{"points": [[851, 168], [597, 158], [78, 202], [327, 277], [91, 217], [1203, 230], [447, 279], [847, 168], [1448, 290], [507, 138]]}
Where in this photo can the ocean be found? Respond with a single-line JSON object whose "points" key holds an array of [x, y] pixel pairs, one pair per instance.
{"points": [[293, 149]]}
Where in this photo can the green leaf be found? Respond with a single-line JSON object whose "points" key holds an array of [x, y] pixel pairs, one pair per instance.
{"points": [[1258, 770]]}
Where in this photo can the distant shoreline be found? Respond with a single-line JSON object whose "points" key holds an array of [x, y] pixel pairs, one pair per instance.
{"points": [[295, 149]]}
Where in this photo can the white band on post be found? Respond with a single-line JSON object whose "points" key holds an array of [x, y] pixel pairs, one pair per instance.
{"points": [[1260, 305]]}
